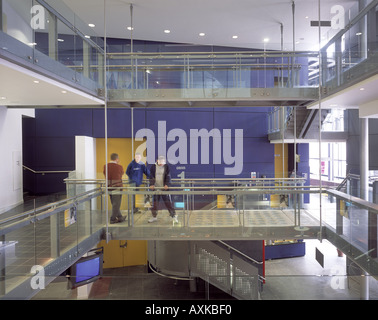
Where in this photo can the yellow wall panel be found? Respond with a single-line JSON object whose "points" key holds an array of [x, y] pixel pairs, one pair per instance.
{"points": [[221, 201], [135, 254], [122, 146], [118, 255], [280, 168]]}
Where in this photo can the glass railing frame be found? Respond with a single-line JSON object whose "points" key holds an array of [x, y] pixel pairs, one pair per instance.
{"points": [[53, 67], [36, 215]]}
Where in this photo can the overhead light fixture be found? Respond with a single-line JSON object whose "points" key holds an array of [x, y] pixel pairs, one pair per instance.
{"points": [[64, 91], [91, 25], [32, 44], [36, 81], [358, 33], [88, 37], [60, 40], [3, 98], [167, 31], [234, 37], [266, 39], [362, 89], [201, 34], [130, 28]]}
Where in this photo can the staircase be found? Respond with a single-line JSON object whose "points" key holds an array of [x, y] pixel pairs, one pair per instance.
{"points": [[225, 269], [307, 123]]}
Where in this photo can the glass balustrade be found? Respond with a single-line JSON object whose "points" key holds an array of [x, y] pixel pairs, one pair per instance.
{"points": [[42, 236], [52, 38], [215, 75]]}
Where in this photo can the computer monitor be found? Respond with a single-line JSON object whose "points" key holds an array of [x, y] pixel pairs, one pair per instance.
{"points": [[87, 269]]}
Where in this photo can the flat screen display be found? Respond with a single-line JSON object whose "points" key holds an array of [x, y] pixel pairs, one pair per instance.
{"points": [[87, 269]]}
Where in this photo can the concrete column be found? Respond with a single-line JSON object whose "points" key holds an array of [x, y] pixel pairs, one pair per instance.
{"points": [[364, 189]]}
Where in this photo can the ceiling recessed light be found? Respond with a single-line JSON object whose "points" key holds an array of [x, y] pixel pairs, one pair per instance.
{"points": [[60, 40], [64, 91], [130, 28], [234, 37], [36, 81], [3, 98], [266, 39], [32, 44], [88, 37], [91, 25], [201, 34], [362, 89], [358, 33], [167, 31]]}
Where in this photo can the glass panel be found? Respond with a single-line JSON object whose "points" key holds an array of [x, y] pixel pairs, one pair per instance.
{"points": [[46, 36]]}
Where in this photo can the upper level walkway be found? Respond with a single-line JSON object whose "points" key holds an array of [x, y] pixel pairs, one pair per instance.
{"points": [[57, 234], [158, 78]]}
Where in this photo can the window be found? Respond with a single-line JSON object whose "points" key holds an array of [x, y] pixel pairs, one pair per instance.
{"points": [[333, 161]]}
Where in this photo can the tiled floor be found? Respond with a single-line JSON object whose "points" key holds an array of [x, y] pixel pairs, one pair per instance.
{"points": [[134, 283]]}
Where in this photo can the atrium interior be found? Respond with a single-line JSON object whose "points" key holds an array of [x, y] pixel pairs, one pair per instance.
{"points": [[265, 116]]}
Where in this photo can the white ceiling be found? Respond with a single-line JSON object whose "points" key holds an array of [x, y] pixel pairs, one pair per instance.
{"points": [[251, 20], [359, 96], [21, 87]]}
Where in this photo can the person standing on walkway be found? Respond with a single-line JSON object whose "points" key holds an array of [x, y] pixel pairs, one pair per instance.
{"points": [[135, 171], [160, 178], [115, 173]]}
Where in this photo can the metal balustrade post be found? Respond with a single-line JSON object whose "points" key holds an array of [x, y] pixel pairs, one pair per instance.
{"points": [[2, 260], [1, 16], [372, 225], [364, 188]]}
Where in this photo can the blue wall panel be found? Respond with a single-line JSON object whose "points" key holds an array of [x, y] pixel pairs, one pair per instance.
{"points": [[63, 122], [55, 153], [118, 123], [55, 131], [253, 124]]}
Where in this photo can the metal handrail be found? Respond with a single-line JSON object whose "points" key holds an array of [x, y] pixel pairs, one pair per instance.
{"points": [[33, 213], [364, 204], [71, 180], [43, 172], [239, 252], [212, 55]]}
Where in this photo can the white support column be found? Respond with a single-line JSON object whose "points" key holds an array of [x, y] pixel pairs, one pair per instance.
{"points": [[364, 189]]}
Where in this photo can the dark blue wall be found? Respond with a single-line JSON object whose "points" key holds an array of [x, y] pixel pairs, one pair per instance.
{"points": [[49, 139]]}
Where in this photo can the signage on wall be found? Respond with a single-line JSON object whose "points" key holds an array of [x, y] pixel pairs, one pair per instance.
{"points": [[227, 147]]}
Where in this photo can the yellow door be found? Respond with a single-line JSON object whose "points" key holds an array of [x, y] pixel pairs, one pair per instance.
{"points": [[124, 253]]}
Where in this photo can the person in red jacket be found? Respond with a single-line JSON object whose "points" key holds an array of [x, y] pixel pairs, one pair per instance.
{"points": [[115, 173]]}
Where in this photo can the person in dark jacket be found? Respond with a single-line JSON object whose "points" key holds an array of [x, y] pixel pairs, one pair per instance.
{"points": [[160, 178], [135, 171], [115, 173]]}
